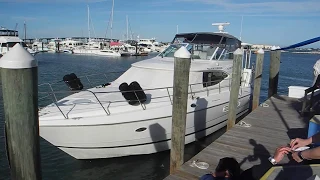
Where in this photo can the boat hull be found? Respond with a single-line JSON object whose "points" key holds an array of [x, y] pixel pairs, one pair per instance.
{"points": [[134, 138]]}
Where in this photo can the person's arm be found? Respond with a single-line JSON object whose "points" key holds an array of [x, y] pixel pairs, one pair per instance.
{"points": [[313, 153], [298, 142], [280, 153], [307, 154], [315, 138]]}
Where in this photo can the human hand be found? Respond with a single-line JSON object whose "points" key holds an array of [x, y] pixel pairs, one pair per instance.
{"points": [[297, 142], [280, 152], [296, 157]]}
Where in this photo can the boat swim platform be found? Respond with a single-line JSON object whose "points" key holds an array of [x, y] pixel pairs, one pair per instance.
{"points": [[274, 123]]}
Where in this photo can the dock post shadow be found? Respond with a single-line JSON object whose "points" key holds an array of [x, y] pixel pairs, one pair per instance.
{"points": [[159, 137], [200, 117]]}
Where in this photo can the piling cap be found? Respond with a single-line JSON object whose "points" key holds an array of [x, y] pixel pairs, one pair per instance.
{"points": [[182, 53], [18, 58]]}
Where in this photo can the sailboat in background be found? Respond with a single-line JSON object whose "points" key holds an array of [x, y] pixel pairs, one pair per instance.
{"points": [[95, 47]]}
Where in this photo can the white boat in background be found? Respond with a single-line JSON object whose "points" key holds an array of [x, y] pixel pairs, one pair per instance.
{"points": [[128, 50], [69, 51], [82, 50], [9, 38], [107, 52], [55, 45], [150, 45], [70, 44], [39, 46], [104, 122]]}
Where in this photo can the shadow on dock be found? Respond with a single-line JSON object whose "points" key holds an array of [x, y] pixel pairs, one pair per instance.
{"points": [[272, 126]]}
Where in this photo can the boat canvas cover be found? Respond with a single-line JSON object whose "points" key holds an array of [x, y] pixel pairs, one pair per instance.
{"points": [[208, 38], [115, 44]]}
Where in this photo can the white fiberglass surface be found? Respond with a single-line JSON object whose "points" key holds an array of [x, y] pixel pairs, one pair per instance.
{"points": [[154, 78], [87, 104]]}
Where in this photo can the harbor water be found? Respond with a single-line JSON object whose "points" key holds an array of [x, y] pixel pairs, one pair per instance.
{"points": [[295, 69]]}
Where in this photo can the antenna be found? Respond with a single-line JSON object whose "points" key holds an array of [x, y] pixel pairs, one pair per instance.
{"points": [[221, 26], [127, 28], [88, 22], [111, 20], [241, 27], [25, 31], [15, 29]]}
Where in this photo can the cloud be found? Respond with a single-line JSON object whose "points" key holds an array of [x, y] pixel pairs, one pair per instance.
{"points": [[217, 12], [307, 6], [26, 18], [159, 3], [52, 1]]}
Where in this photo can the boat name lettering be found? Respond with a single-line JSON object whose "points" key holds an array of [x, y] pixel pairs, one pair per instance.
{"points": [[215, 68]]}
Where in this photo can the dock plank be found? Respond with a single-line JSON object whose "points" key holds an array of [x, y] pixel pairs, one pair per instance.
{"points": [[271, 127]]}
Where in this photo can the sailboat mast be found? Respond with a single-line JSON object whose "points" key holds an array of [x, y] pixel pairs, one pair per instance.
{"points": [[241, 28], [127, 28], [89, 22], [111, 19], [25, 32]]}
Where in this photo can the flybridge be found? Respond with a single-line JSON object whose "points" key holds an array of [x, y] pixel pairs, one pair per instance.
{"points": [[7, 32]]}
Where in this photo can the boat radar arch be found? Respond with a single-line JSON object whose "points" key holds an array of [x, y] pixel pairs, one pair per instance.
{"points": [[221, 26]]}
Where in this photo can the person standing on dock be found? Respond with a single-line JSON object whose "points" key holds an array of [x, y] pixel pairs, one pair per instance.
{"points": [[309, 154]]}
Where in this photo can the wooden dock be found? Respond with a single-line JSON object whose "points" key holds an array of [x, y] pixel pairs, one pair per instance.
{"points": [[272, 125]]}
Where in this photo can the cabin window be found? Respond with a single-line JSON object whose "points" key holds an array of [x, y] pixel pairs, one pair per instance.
{"points": [[169, 52], [213, 78], [11, 44]]}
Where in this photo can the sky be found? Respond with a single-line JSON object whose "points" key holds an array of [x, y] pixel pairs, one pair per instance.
{"points": [[273, 22]]}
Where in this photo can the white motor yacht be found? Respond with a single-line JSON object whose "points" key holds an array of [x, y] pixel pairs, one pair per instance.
{"points": [[92, 47], [9, 38], [121, 119], [150, 45], [70, 44], [55, 45], [128, 50], [107, 52], [39, 46]]}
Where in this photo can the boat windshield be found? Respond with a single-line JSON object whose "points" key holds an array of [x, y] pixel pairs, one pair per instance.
{"points": [[169, 52], [203, 52]]}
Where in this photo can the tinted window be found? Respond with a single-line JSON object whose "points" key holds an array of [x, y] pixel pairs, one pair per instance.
{"points": [[213, 78], [11, 44]]}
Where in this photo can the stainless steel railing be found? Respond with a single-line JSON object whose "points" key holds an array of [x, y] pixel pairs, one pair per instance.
{"points": [[218, 86]]}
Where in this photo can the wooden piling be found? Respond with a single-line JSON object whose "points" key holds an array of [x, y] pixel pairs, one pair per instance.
{"points": [[136, 45], [180, 98], [274, 71], [19, 73], [257, 79], [235, 86]]}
